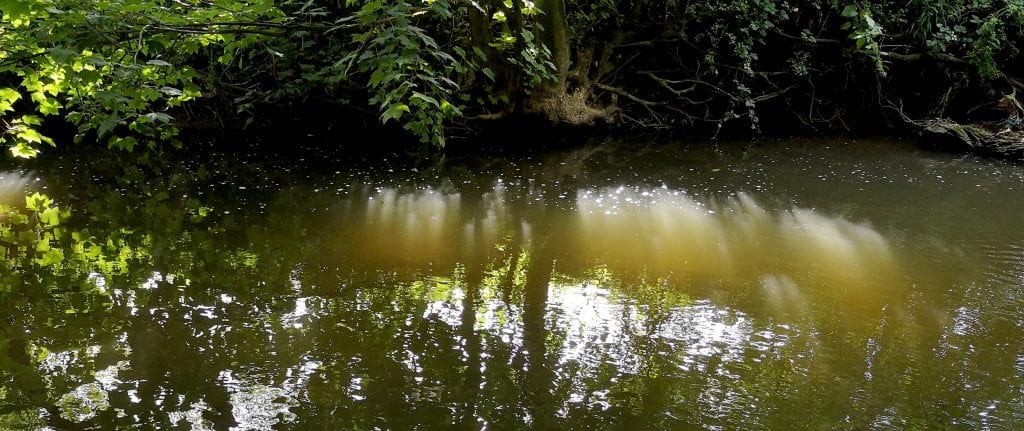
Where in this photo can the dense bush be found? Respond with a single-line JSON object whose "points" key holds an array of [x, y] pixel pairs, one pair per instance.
{"points": [[125, 72]]}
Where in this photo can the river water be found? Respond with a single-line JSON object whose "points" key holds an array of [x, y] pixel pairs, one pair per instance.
{"points": [[795, 284]]}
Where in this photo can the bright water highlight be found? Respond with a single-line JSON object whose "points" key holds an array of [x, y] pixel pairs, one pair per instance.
{"points": [[784, 285]]}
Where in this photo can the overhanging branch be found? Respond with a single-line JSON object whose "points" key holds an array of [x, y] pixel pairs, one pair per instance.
{"points": [[630, 96]]}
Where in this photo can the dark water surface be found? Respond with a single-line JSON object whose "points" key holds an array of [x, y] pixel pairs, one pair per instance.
{"points": [[832, 284]]}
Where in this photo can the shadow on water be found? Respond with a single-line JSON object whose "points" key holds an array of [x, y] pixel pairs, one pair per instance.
{"points": [[782, 285]]}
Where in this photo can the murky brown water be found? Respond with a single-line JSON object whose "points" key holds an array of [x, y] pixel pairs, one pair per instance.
{"points": [[832, 284]]}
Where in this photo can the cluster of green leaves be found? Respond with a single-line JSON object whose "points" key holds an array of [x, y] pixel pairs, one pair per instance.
{"points": [[589, 17], [36, 242], [121, 70], [409, 72], [993, 42], [738, 30], [986, 32], [511, 61], [982, 29], [134, 222], [383, 54], [732, 56], [111, 68], [865, 32], [740, 26]]}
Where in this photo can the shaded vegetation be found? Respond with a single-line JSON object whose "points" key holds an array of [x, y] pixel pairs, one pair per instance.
{"points": [[131, 73]]}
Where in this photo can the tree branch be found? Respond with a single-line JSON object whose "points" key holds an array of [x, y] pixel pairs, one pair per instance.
{"points": [[180, 30], [645, 43], [812, 40], [630, 96], [921, 56], [770, 96]]}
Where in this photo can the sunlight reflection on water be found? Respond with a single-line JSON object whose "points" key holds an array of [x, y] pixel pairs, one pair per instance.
{"points": [[738, 296], [12, 185], [787, 252]]}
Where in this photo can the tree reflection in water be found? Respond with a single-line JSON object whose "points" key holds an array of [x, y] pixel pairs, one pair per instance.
{"points": [[507, 306]]}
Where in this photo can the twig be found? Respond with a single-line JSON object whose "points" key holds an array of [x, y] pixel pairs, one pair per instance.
{"points": [[665, 83], [628, 95], [770, 96]]}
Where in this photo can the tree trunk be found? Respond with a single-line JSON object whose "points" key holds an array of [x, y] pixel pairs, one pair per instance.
{"points": [[555, 36], [479, 25]]}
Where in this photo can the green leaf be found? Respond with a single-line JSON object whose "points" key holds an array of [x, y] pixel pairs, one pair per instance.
{"points": [[159, 117], [7, 98], [449, 109], [126, 144], [432, 101], [23, 150], [171, 91], [51, 257], [16, 9], [489, 73], [480, 53], [106, 127], [37, 202], [850, 11], [394, 112], [50, 217], [29, 135]]}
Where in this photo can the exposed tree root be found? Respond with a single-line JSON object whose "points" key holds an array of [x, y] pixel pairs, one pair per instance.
{"points": [[572, 108], [997, 139]]}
